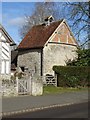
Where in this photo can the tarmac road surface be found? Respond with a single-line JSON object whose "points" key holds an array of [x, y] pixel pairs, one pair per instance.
{"points": [[78, 110]]}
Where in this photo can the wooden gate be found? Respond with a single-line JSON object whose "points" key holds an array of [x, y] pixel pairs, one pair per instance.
{"points": [[24, 85], [51, 80]]}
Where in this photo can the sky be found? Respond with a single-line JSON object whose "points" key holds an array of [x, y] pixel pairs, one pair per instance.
{"points": [[13, 16]]}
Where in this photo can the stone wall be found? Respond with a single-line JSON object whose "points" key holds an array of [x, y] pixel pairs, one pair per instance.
{"points": [[31, 60], [0, 56], [36, 86], [10, 91], [57, 54], [4, 76], [27, 85]]}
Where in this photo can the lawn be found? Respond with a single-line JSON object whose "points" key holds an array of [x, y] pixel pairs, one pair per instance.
{"points": [[53, 89]]}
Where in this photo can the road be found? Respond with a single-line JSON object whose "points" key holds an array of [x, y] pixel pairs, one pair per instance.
{"points": [[79, 110], [19, 103]]}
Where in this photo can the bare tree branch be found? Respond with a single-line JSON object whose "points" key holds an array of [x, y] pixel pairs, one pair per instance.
{"points": [[79, 16], [42, 10]]}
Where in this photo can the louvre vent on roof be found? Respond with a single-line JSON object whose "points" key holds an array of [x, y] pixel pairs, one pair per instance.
{"points": [[48, 20]]}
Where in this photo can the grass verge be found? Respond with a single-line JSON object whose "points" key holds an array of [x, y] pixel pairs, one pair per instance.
{"points": [[56, 90]]}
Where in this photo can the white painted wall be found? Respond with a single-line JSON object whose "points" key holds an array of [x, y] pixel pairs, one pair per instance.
{"points": [[5, 56]]}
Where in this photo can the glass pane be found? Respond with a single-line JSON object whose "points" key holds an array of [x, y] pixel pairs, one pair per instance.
{"points": [[3, 67], [7, 67]]}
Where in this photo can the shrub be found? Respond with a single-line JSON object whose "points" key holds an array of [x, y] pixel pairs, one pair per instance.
{"points": [[82, 60], [72, 76]]}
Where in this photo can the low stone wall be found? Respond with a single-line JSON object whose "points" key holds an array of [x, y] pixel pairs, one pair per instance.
{"points": [[31, 86], [8, 88], [9, 91], [5, 77]]}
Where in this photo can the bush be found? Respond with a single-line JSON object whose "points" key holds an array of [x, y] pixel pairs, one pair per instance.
{"points": [[82, 60], [72, 76]]}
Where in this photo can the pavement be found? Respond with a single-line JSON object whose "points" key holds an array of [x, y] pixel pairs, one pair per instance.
{"points": [[26, 103]]}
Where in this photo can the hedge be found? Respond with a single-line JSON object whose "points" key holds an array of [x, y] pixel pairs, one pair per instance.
{"points": [[72, 76]]}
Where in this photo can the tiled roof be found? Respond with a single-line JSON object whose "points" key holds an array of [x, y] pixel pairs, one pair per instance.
{"points": [[38, 35]]}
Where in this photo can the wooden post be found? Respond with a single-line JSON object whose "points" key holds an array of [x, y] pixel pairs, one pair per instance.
{"points": [[17, 86], [56, 79]]}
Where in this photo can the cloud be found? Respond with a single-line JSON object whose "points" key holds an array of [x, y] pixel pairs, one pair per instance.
{"points": [[17, 21]]}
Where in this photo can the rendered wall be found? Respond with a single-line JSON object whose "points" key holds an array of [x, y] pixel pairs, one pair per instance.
{"points": [[57, 54]]}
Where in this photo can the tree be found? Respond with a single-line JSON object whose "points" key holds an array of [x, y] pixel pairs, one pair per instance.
{"points": [[79, 16], [42, 10], [83, 58], [76, 13]]}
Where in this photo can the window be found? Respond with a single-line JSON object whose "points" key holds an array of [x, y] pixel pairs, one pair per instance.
{"points": [[5, 67]]}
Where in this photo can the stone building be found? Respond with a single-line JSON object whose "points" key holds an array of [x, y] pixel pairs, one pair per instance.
{"points": [[6, 45], [46, 45]]}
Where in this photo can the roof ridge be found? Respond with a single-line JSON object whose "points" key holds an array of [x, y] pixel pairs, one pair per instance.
{"points": [[38, 35], [47, 25]]}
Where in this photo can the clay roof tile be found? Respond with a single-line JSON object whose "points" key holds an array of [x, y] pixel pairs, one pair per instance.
{"points": [[38, 36]]}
